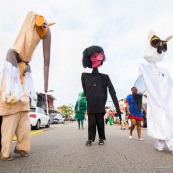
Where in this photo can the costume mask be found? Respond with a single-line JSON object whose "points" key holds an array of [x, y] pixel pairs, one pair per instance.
{"points": [[97, 59], [155, 48]]}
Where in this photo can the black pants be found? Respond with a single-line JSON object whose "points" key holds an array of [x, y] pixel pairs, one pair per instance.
{"points": [[96, 120], [0, 131]]}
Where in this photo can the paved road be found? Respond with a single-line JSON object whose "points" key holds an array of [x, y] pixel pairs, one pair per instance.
{"points": [[61, 149]]}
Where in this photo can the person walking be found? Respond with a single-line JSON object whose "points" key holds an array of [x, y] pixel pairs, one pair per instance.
{"points": [[80, 109], [134, 112]]}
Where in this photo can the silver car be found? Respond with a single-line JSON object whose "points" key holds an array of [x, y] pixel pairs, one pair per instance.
{"points": [[59, 119]]}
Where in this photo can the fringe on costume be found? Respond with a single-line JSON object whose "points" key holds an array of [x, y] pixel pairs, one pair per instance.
{"points": [[10, 83]]}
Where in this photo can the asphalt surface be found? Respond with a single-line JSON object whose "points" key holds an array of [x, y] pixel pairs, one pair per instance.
{"points": [[61, 149]]}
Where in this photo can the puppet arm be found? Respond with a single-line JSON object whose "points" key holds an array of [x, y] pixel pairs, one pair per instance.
{"points": [[153, 93], [113, 96], [83, 84]]}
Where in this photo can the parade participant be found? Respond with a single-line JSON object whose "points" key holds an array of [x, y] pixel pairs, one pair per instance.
{"points": [[95, 86], [159, 91], [16, 85], [134, 112], [80, 109]]}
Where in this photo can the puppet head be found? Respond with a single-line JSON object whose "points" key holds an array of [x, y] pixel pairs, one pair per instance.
{"points": [[155, 48], [93, 57], [34, 28], [81, 95]]}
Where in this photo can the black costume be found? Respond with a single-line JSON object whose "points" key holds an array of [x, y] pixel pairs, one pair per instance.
{"points": [[95, 87]]}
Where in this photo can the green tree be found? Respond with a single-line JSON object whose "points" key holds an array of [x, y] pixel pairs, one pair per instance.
{"points": [[66, 110]]}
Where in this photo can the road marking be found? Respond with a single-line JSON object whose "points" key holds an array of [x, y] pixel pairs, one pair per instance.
{"points": [[35, 132], [31, 134], [58, 126]]}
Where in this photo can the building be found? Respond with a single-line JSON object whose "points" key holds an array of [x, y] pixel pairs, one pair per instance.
{"points": [[41, 102]]}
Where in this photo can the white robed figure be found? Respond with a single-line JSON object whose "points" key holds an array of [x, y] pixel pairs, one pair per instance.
{"points": [[159, 88]]}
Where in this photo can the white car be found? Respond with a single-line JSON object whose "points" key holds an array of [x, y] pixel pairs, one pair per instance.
{"points": [[38, 118], [59, 119]]}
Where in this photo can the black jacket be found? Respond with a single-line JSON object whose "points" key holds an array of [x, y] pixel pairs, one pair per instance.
{"points": [[95, 87]]}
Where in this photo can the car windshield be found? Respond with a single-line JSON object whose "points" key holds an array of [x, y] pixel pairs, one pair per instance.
{"points": [[52, 114], [32, 109]]}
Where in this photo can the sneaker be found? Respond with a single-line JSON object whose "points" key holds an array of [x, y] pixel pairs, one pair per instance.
{"points": [[9, 158], [130, 137], [88, 143], [21, 152], [140, 139], [101, 142]]}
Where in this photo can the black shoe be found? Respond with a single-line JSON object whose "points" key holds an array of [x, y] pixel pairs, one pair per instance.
{"points": [[88, 143], [101, 142]]}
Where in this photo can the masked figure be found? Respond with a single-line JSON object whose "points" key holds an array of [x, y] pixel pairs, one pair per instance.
{"points": [[95, 86], [80, 109], [159, 88], [16, 85]]}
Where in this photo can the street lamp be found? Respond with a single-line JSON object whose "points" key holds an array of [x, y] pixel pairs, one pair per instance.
{"points": [[47, 107]]}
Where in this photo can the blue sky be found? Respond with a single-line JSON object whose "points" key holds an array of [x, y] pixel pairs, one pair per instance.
{"points": [[119, 26]]}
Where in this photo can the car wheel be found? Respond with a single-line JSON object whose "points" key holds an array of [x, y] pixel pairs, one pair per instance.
{"points": [[37, 127], [48, 124]]}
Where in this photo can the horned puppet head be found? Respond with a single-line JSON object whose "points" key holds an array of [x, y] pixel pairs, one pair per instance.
{"points": [[155, 47], [34, 28]]}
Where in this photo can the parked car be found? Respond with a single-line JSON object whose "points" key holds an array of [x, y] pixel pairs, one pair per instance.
{"points": [[38, 118], [72, 118], [52, 115], [59, 119]]}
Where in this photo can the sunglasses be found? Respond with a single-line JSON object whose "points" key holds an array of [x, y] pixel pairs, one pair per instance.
{"points": [[156, 42]]}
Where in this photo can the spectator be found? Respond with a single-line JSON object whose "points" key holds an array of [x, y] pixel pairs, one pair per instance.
{"points": [[123, 117], [111, 117], [106, 116], [116, 117]]}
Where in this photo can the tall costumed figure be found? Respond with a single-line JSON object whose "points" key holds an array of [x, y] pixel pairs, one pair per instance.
{"points": [[80, 109], [159, 89], [95, 87], [16, 84]]}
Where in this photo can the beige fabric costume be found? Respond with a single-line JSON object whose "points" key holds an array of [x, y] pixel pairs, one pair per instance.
{"points": [[14, 104]]}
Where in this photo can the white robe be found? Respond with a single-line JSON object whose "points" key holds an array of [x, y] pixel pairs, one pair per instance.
{"points": [[159, 88]]}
